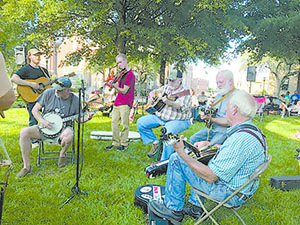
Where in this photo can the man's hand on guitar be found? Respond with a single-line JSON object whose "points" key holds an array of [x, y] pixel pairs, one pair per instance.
{"points": [[34, 85], [166, 100], [115, 85], [46, 124], [179, 146], [202, 144], [203, 116]]}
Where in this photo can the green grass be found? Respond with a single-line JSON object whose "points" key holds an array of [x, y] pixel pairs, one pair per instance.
{"points": [[110, 178]]}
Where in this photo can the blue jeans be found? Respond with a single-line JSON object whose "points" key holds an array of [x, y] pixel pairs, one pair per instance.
{"points": [[179, 173], [195, 112], [32, 120], [215, 137], [146, 123]]}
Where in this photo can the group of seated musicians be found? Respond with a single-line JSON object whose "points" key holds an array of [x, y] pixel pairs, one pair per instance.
{"points": [[239, 155]]}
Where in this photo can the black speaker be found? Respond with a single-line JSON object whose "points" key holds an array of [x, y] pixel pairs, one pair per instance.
{"points": [[251, 73], [20, 55]]}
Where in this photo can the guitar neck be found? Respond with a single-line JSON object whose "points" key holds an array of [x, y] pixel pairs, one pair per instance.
{"points": [[72, 117], [194, 149]]}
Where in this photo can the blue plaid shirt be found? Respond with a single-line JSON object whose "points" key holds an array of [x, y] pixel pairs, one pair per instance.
{"points": [[238, 157]]}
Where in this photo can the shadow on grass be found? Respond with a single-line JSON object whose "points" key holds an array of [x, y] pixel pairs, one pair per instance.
{"points": [[110, 178]]}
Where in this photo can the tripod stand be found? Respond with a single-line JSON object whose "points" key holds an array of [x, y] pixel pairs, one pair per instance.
{"points": [[162, 138], [80, 128]]}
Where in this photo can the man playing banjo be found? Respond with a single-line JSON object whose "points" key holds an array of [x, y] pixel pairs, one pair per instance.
{"points": [[56, 103]]}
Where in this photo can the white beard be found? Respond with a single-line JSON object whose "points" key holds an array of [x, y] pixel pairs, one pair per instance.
{"points": [[224, 90]]}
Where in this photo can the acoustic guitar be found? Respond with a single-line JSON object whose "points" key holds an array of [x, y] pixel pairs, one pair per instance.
{"points": [[29, 94]]}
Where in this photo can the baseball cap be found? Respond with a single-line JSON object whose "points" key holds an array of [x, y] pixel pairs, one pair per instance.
{"points": [[62, 83], [174, 75], [34, 51]]}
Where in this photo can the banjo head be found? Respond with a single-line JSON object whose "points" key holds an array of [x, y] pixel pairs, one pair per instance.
{"points": [[57, 124]]}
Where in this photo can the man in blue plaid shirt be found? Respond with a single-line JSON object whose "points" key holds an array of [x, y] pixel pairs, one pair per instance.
{"points": [[238, 157]]}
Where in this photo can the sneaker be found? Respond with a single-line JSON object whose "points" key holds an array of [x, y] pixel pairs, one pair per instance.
{"points": [[34, 145], [153, 150], [159, 209], [62, 162], [109, 147], [122, 148], [23, 172], [193, 211]]}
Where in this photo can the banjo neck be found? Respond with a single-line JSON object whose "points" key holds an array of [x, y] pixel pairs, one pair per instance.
{"points": [[76, 116]]}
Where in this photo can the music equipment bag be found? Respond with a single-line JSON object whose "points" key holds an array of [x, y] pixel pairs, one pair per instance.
{"points": [[144, 193], [285, 183], [155, 220]]}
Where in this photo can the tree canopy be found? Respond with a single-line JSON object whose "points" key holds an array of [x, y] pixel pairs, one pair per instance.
{"points": [[164, 31], [273, 28]]}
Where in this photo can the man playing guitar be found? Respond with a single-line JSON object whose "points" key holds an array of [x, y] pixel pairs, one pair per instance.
{"points": [[31, 71], [175, 115], [59, 101], [216, 135]]}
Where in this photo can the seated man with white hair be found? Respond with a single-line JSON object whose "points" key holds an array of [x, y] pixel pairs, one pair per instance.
{"points": [[241, 153], [216, 135]]}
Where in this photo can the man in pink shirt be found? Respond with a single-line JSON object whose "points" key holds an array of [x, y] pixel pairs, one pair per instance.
{"points": [[123, 103]]}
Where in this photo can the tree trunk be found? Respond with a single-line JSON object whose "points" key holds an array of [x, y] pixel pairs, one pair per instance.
{"points": [[298, 78], [162, 72]]}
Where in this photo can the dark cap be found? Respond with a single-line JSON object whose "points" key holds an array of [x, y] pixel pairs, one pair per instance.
{"points": [[62, 83], [174, 75]]}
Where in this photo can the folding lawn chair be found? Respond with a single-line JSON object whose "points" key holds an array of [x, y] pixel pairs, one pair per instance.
{"points": [[44, 155], [261, 102], [254, 176]]}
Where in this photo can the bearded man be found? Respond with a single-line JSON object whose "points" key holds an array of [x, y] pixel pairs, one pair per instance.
{"points": [[216, 135]]}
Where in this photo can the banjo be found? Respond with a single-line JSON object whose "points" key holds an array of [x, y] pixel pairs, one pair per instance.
{"points": [[59, 123]]}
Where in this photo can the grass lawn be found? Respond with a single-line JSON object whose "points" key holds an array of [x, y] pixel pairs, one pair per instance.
{"points": [[110, 178]]}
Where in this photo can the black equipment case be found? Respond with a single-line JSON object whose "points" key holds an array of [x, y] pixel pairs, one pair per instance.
{"points": [[155, 220], [144, 193], [285, 183]]}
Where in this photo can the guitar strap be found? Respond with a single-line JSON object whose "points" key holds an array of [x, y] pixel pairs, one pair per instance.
{"points": [[225, 96], [46, 75], [182, 93]]}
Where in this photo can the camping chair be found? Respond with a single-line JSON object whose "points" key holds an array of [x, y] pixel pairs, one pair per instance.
{"points": [[254, 176], [261, 102], [54, 154]]}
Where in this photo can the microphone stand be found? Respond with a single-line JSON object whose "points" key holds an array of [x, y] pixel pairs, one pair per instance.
{"points": [[75, 189]]}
